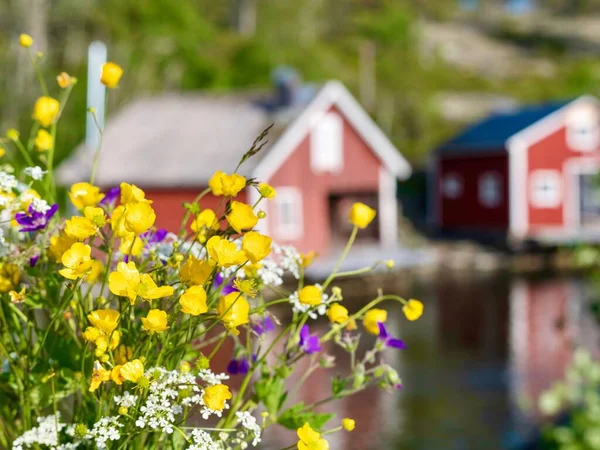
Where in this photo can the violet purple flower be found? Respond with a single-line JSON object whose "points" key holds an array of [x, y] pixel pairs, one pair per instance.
{"points": [[238, 366], [111, 196], [154, 237], [388, 340], [263, 326], [35, 220], [33, 260], [227, 289], [309, 342]]}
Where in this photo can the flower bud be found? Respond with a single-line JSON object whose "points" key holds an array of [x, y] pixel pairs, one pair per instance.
{"points": [[81, 431], [390, 263], [25, 40], [359, 377], [123, 410], [185, 367], [203, 363], [104, 358], [262, 214]]}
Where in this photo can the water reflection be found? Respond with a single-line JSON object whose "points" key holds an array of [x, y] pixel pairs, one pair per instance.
{"points": [[475, 364]]}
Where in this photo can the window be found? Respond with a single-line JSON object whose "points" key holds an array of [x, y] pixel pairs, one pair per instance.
{"points": [[452, 186], [288, 204], [546, 189], [326, 144], [583, 129], [490, 189]]}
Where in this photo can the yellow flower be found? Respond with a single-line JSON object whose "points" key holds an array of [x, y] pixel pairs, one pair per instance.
{"points": [[77, 261], [361, 215], [123, 354], [95, 215], [337, 313], [115, 375], [84, 194], [155, 321], [247, 287], [310, 295], [102, 342], [111, 74], [215, 397], [130, 193], [25, 40], [148, 289], [18, 297], [256, 246], [307, 258], [185, 367], [348, 424], [233, 311], [351, 325], [267, 191], [64, 80], [139, 217], [196, 271], [241, 216], [193, 301], [43, 141], [131, 245], [2, 151], [310, 439], [105, 320], [207, 219], [372, 317], [45, 110], [99, 375], [227, 185], [117, 222], [127, 282], [59, 244], [133, 370], [413, 309], [224, 252], [12, 134], [9, 277], [80, 228], [91, 334], [389, 263]]}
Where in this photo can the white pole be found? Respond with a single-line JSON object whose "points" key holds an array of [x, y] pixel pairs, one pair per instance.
{"points": [[96, 93]]}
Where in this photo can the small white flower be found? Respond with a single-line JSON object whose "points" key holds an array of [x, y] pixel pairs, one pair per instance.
{"points": [[106, 429], [39, 205], [35, 173], [7, 181]]}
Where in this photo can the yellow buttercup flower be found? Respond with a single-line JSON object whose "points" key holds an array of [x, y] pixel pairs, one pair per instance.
{"points": [[103, 343], [233, 310], [115, 375], [310, 439], [131, 245], [18, 297], [117, 222], [95, 216], [361, 215], [123, 354], [155, 321], [43, 141], [46, 110], [193, 301], [9, 277], [196, 271], [241, 216], [224, 252], [111, 74], [133, 370], [91, 334], [64, 80], [206, 220], [267, 191], [348, 424], [77, 261], [215, 397], [308, 258], [80, 228], [2, 151], [227, 185], [149, 290], [256, 246], [372, 317], [247, 287], [12, 134], [413, 309], [127, 282], [130, 193], [337, 313], [99, 375], [84, 194], [25, 40], [59, 244], [310, 295], [139, 217], [105, 320]]}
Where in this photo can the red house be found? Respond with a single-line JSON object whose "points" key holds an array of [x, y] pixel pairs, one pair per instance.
{"points": [[324, 153], [525, 175]]}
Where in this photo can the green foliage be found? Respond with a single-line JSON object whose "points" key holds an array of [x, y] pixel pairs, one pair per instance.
{"points": [[295, 417]]}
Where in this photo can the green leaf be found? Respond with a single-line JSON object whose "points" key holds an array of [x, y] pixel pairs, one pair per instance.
{"points": [[338, 384], [295, 418], [271, 392]]}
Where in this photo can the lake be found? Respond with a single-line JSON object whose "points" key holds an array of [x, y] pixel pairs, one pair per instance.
{"points": [[476, 362]]}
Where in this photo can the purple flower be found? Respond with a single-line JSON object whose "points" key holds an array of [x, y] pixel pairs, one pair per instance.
{"points": [[154, 237], [263, 326], [388, 340], [227, 289], [309, 342], [238, 366], [35, 220], [111, 196], [33, 260]]}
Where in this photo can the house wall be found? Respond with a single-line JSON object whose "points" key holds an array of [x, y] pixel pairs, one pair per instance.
{"points": [[360, 174], [466, 211]]}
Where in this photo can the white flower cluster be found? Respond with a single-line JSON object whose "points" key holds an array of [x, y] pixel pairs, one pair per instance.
{"points": [[46, 433], [7, 181], [290, 259], [35, 173], [39, 205], [313, 312], [127, 400], [270, 273], [106, 429], [202, 441], [211, 378], [250, 428]]}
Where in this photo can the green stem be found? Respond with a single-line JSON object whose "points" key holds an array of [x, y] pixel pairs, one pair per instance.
{"points": [[342, 257]]}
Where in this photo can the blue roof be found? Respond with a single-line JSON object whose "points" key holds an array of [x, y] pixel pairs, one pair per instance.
{"points": [[491, 134]]}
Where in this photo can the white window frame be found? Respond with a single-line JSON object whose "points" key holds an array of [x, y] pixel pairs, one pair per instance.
{"points": [[583, 129], [448, 180], [490, 189], [327, 144], [285, 228], [546, 199]]}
